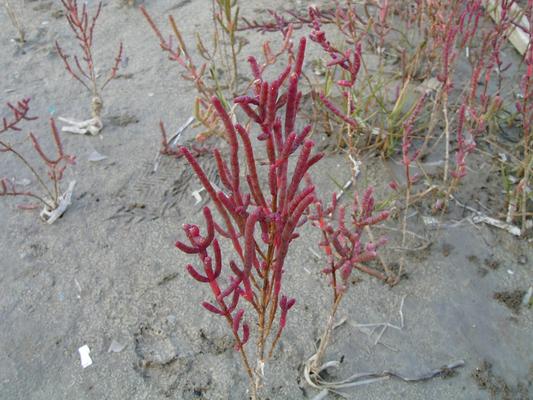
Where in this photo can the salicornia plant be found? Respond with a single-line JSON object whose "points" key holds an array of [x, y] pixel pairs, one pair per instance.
{"points": [[346, 249], [259, 219], [50, 196], [83, 69], [203, 72]]}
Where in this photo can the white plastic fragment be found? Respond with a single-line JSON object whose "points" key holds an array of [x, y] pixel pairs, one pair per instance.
{"points": [[510, 272], [356, 166], [344, 188], [96, 156], [116, 347], [197, 196], [78, 286], [84, 356], [527, 297], [91, 126], [50, 216], [174, 140]]}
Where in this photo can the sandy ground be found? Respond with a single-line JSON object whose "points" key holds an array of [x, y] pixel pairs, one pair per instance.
{"points": [[108, 271]]}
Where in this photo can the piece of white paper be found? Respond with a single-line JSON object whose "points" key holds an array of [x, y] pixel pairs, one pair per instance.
{"points": [[84, 356]]}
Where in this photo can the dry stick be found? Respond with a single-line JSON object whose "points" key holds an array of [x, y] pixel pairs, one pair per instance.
{"points": [[431, 125], [263, 333], [316, 359], [480, 217], [15, 21], [404, 225], [529, 166], [314, 379], [447, 135], [233, 50], [223, 50]]}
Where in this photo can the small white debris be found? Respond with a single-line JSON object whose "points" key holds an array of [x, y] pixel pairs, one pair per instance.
{"points": [[512, 229], [91, 126], [65, 200], [527, 297], [503, 157], [116, 347], [95, 156], [197, 196], [78, 286], [314, 253], [174, 140], [510, 272], [344, 188], [356, 166], [84, 356], [23, 182], [430, 221]]}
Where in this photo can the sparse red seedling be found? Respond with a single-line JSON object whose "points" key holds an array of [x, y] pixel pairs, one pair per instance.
{"points": [[174, 150], [346, 249], [204, 74], [52, 195], [84, 70]]}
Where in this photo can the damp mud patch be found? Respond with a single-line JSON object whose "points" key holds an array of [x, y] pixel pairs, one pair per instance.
{"points": [[512, 299], [496, 386]]}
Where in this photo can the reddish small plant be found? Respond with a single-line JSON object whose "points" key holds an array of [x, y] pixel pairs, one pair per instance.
{"points": [[197, 73], [244, 208], [52, 197], [464, 147], [203, 74], [173, 149], [346, 249], [84, 71], [408, 157], [280, 22], [349, 62]]}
